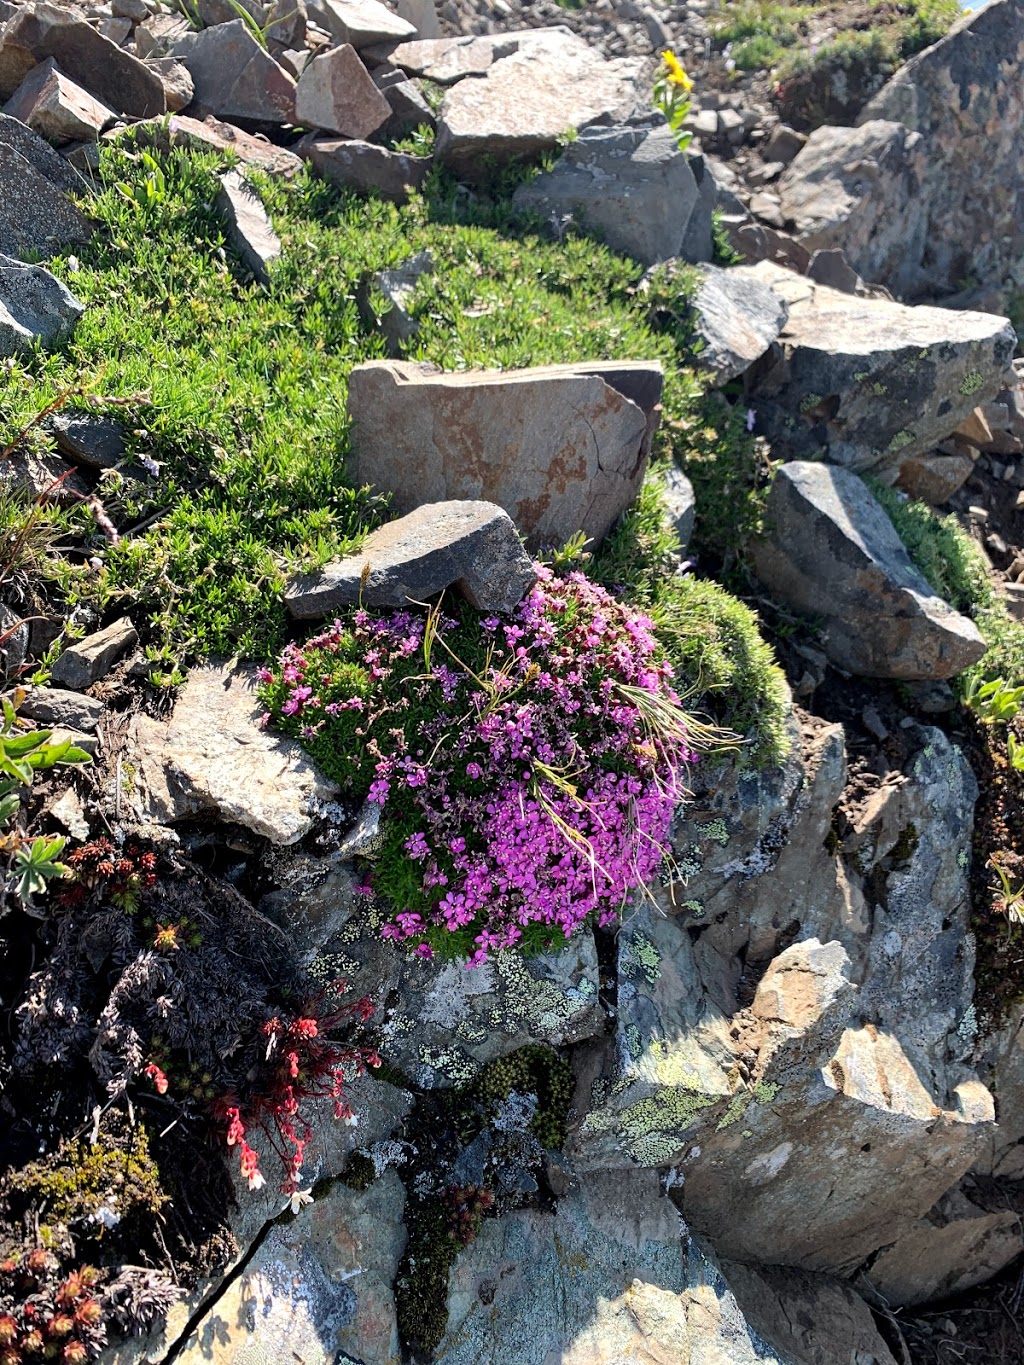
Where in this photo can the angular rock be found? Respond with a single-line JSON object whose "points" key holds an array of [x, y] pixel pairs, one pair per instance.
{"points": [[958, 1245], [286, 26], [526, 1267], [14, 644], [409, 110], [681, 504], [447, 60], [88, 660], [738, 318], [54, 106], [934, 478], [233, 76], [211, 133], [45, 477], [106, 71], [632, 184], [223, 12], [397, 287], [422, 14], [961, 97], [831, 551], [473, 545], [319, 1289], [34, 306], [35, 216], [562, 448], [179, 87], [70, 710], [249, 230], [363, 22], [859, 189], [528, 100], [870, 383], [335, 92], [155, 36], [364, 166], [88, 439]]}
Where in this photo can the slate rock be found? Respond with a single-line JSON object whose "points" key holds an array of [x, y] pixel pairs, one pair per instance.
{"points": [[397, 287], [368, 168], [526, 101], [45, 477], [422, 14], [409, 110], [681, 504], [89, 439], [335, 92], [213, 134], [363, 22], [14, 644], [106, 71], [738, 318], [179, 87], [234, 77], [58, 109], [473, 545], [562, 448], [35, 215], [55, 706], [831, 551], [86, 661], [213, 757], [34, 306], [870, 383], [323, 1283], [247, 225], [630, 183], [447, 60]]}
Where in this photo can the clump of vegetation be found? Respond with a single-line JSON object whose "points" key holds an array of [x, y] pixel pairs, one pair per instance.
{"points": [[46, 1314], [526, 769]]}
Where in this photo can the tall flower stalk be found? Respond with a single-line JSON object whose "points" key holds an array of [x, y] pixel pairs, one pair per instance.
{"points": [[672, 88]]}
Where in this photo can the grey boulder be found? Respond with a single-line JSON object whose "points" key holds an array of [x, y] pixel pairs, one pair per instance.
{"points": [[233, 76], [831, 551], [247, 225], [364, 166], [870, 383], [472, 545], [737, 318], [88, 660], [34, 306], [562, 448], [36, 214], [631, 183]]}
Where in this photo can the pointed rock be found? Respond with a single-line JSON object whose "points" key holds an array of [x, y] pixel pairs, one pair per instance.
{"points": [[35, 215], [51, 104], [234, 77], [367, 167], [34, 306], [831, 551], [248, 228], [335, 92]]}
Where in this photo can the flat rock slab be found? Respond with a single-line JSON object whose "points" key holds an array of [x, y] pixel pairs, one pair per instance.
{"points": [[213, 134], [447, 60], [473, 545], [528, 100], [870, 383], [363, 22], [831, 551], [397, 287], [89, 439], [214, 758], [562, 448], [34, 306], [106, 71], [364, 166], [53, 105], [247, 225], [88, 660], [632, 184], [234, 77], [335, 92], [55, 706], [737, 318]]}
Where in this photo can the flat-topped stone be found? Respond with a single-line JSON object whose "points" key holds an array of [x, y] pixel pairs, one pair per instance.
{"points": [[471, 545]]}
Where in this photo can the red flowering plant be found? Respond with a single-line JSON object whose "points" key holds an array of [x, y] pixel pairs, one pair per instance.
{"points": [[527, 769], [48, 1315]]}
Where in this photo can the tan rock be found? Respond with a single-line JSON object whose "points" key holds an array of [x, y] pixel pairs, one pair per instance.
{"points": [[934, 478], [975, 429], [335, 92], [213, 757], [53, 105], [211, 133], [364, 22], [562, 448], [234, 77]]}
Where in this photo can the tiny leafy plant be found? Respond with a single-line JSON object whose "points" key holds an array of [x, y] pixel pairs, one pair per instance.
{"points": [[1007, 901], [526, 770], [46, 1315], [31, 862], [993, 702], [672, 87]]}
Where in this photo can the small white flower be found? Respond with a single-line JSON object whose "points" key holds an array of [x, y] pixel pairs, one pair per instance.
{"points": [[256, 1181], [300, 1198], [105, 1216]]}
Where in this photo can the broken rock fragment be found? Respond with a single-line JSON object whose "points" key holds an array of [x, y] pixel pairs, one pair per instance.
{"points": [[365, 166], [473, 545], [335, 92], [249, 229], [34, 306], [562, 448], [831, 551], [234, 77], [90, 659], [54, 106]]}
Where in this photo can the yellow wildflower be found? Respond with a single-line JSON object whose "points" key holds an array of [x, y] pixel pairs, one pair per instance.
{"points": [[675, 75]]}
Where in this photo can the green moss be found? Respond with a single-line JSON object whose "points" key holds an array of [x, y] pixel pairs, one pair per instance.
{"points": [[971, 383], [360, 1172], [533, 1070], [906, 844], [421, 1286]]}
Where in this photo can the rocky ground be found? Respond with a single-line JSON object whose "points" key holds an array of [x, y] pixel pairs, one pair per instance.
{"points": [[318, 310]]}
